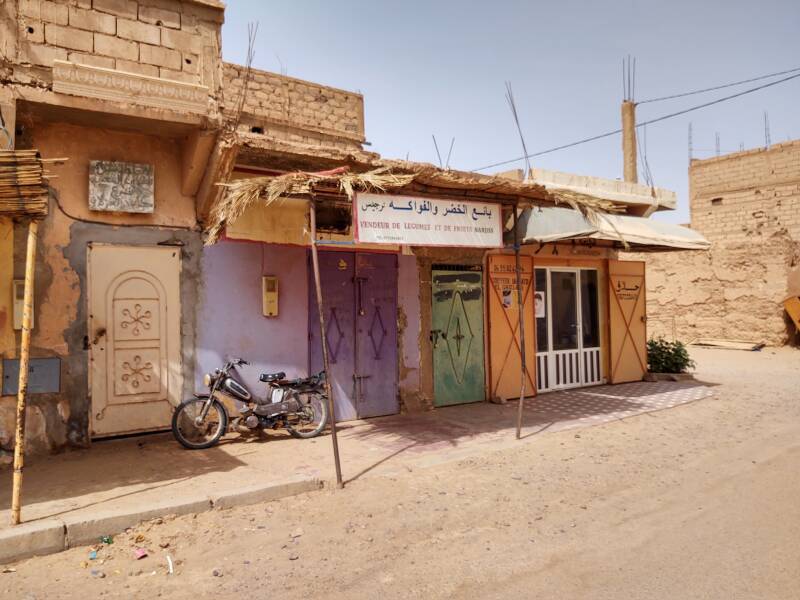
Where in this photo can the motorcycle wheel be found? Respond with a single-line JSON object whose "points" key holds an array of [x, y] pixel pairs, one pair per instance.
{"points": [[312, 420], [193, 433]]}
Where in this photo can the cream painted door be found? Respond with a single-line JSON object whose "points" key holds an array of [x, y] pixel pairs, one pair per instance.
{"points": [[134, 334]]}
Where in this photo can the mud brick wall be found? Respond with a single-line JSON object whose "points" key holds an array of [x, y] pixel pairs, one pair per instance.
{"points": [[748, 205], [294, 110], [169, 39], [747, 195]]}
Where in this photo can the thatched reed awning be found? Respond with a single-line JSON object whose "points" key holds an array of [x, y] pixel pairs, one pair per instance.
{"points": [[389, 176], [23, 186]]}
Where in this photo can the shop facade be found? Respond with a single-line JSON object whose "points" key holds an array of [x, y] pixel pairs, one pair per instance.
{"points": [[415, 326]]}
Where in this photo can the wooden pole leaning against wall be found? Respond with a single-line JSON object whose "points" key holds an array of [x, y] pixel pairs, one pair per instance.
{"points": [[521, 316], [312, 217], [24, 361]]}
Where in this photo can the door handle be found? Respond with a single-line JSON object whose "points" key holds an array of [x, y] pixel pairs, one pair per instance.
{"points": [[358, 379], [435, 335], [360, 295]]}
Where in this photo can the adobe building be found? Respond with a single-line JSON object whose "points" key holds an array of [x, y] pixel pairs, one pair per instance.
{"points": [[135, 96], [748, 205]]}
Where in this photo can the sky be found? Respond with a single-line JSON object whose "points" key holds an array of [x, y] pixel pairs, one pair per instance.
{"points": [[440, 67]]}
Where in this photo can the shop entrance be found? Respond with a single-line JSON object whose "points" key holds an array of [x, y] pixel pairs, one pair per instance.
{"points": [[567, 328], [457, 334], [359, 292]]}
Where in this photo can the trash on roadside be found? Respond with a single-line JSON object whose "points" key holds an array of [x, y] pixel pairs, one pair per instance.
{"points": [[170, 569], [106, 539], [93, 555], [98, 574], [9, 570], [84, 564], [140, 553], [139, 538]]}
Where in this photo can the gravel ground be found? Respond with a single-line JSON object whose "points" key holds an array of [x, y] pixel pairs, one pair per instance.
{"points": [[699, 501]]}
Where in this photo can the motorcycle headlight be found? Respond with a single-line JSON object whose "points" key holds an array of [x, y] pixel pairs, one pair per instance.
{"points": [[207, 380]]}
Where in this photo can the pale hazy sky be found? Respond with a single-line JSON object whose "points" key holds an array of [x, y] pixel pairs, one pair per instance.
{"points": [[439, 67]]}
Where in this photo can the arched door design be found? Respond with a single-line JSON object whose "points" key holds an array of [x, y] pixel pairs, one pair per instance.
{"points": [[134, 330]]}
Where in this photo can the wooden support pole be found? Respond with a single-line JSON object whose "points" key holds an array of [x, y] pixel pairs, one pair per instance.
{"points": [[312, 214], [24, 361], [629, 141], [521, 307]]}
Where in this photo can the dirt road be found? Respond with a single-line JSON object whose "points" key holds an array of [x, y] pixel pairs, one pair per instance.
{"points": [[699, 501]]}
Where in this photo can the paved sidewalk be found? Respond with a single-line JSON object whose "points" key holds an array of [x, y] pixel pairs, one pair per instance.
{"points": [[150, 475]]}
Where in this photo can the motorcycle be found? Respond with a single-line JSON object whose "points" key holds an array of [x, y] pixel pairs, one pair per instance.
{"points": [[300, 405]]}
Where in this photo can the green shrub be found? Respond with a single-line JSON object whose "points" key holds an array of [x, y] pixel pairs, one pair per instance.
{"points": [[668, 357]]}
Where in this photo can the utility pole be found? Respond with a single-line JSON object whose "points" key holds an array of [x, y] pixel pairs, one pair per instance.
{"points": [[629, 141]]}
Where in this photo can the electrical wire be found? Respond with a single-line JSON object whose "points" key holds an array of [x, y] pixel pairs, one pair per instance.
{"points": [[649, 122], [719, 87]]}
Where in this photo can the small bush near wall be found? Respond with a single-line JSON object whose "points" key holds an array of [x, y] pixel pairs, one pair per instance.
{"points": [[668, 357]]}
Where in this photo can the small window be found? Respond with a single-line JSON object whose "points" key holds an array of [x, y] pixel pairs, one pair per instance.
{"points": [[334, 217], [716, 201]]}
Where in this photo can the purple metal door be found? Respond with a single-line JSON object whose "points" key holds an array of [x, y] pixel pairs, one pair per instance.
{"points": [[376, 335], [359, 293], [337, 270]]}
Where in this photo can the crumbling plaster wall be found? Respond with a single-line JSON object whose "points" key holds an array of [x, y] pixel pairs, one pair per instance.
{"points": [[748, 205], [409, 329], [60, 301]]}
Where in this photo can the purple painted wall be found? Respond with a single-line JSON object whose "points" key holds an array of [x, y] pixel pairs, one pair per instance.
{"points": [[409, 307], [229, 316]]}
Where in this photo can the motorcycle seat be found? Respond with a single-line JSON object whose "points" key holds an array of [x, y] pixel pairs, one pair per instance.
{"points": [[269, 377]]}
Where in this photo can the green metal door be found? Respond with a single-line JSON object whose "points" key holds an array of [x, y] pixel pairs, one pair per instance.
{"points": [[457, 335]]}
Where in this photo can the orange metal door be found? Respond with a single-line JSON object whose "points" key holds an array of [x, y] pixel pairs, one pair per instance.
{"points": [[134, 330], [505, 350], [626, 281]]}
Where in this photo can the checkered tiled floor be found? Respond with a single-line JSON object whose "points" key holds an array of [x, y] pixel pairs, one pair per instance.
{"points": [[484, 424], [583, 407]]}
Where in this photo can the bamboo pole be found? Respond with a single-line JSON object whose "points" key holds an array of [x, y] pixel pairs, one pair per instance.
{"points": [[312, 212], [24, 361], [521, 307]]}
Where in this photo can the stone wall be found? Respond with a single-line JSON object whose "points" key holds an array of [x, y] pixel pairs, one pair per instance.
{"points": [[748, 205], [169, 39], [294, 110]]}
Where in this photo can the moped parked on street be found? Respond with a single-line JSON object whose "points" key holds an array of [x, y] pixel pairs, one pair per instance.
{"points": [[298, 405]]}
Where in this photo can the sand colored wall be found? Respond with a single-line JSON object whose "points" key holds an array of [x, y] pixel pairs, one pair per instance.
{"points": [[748, 205]]}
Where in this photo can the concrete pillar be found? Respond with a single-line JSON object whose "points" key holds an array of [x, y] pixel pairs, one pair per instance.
{"points": [[629, 141]]}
